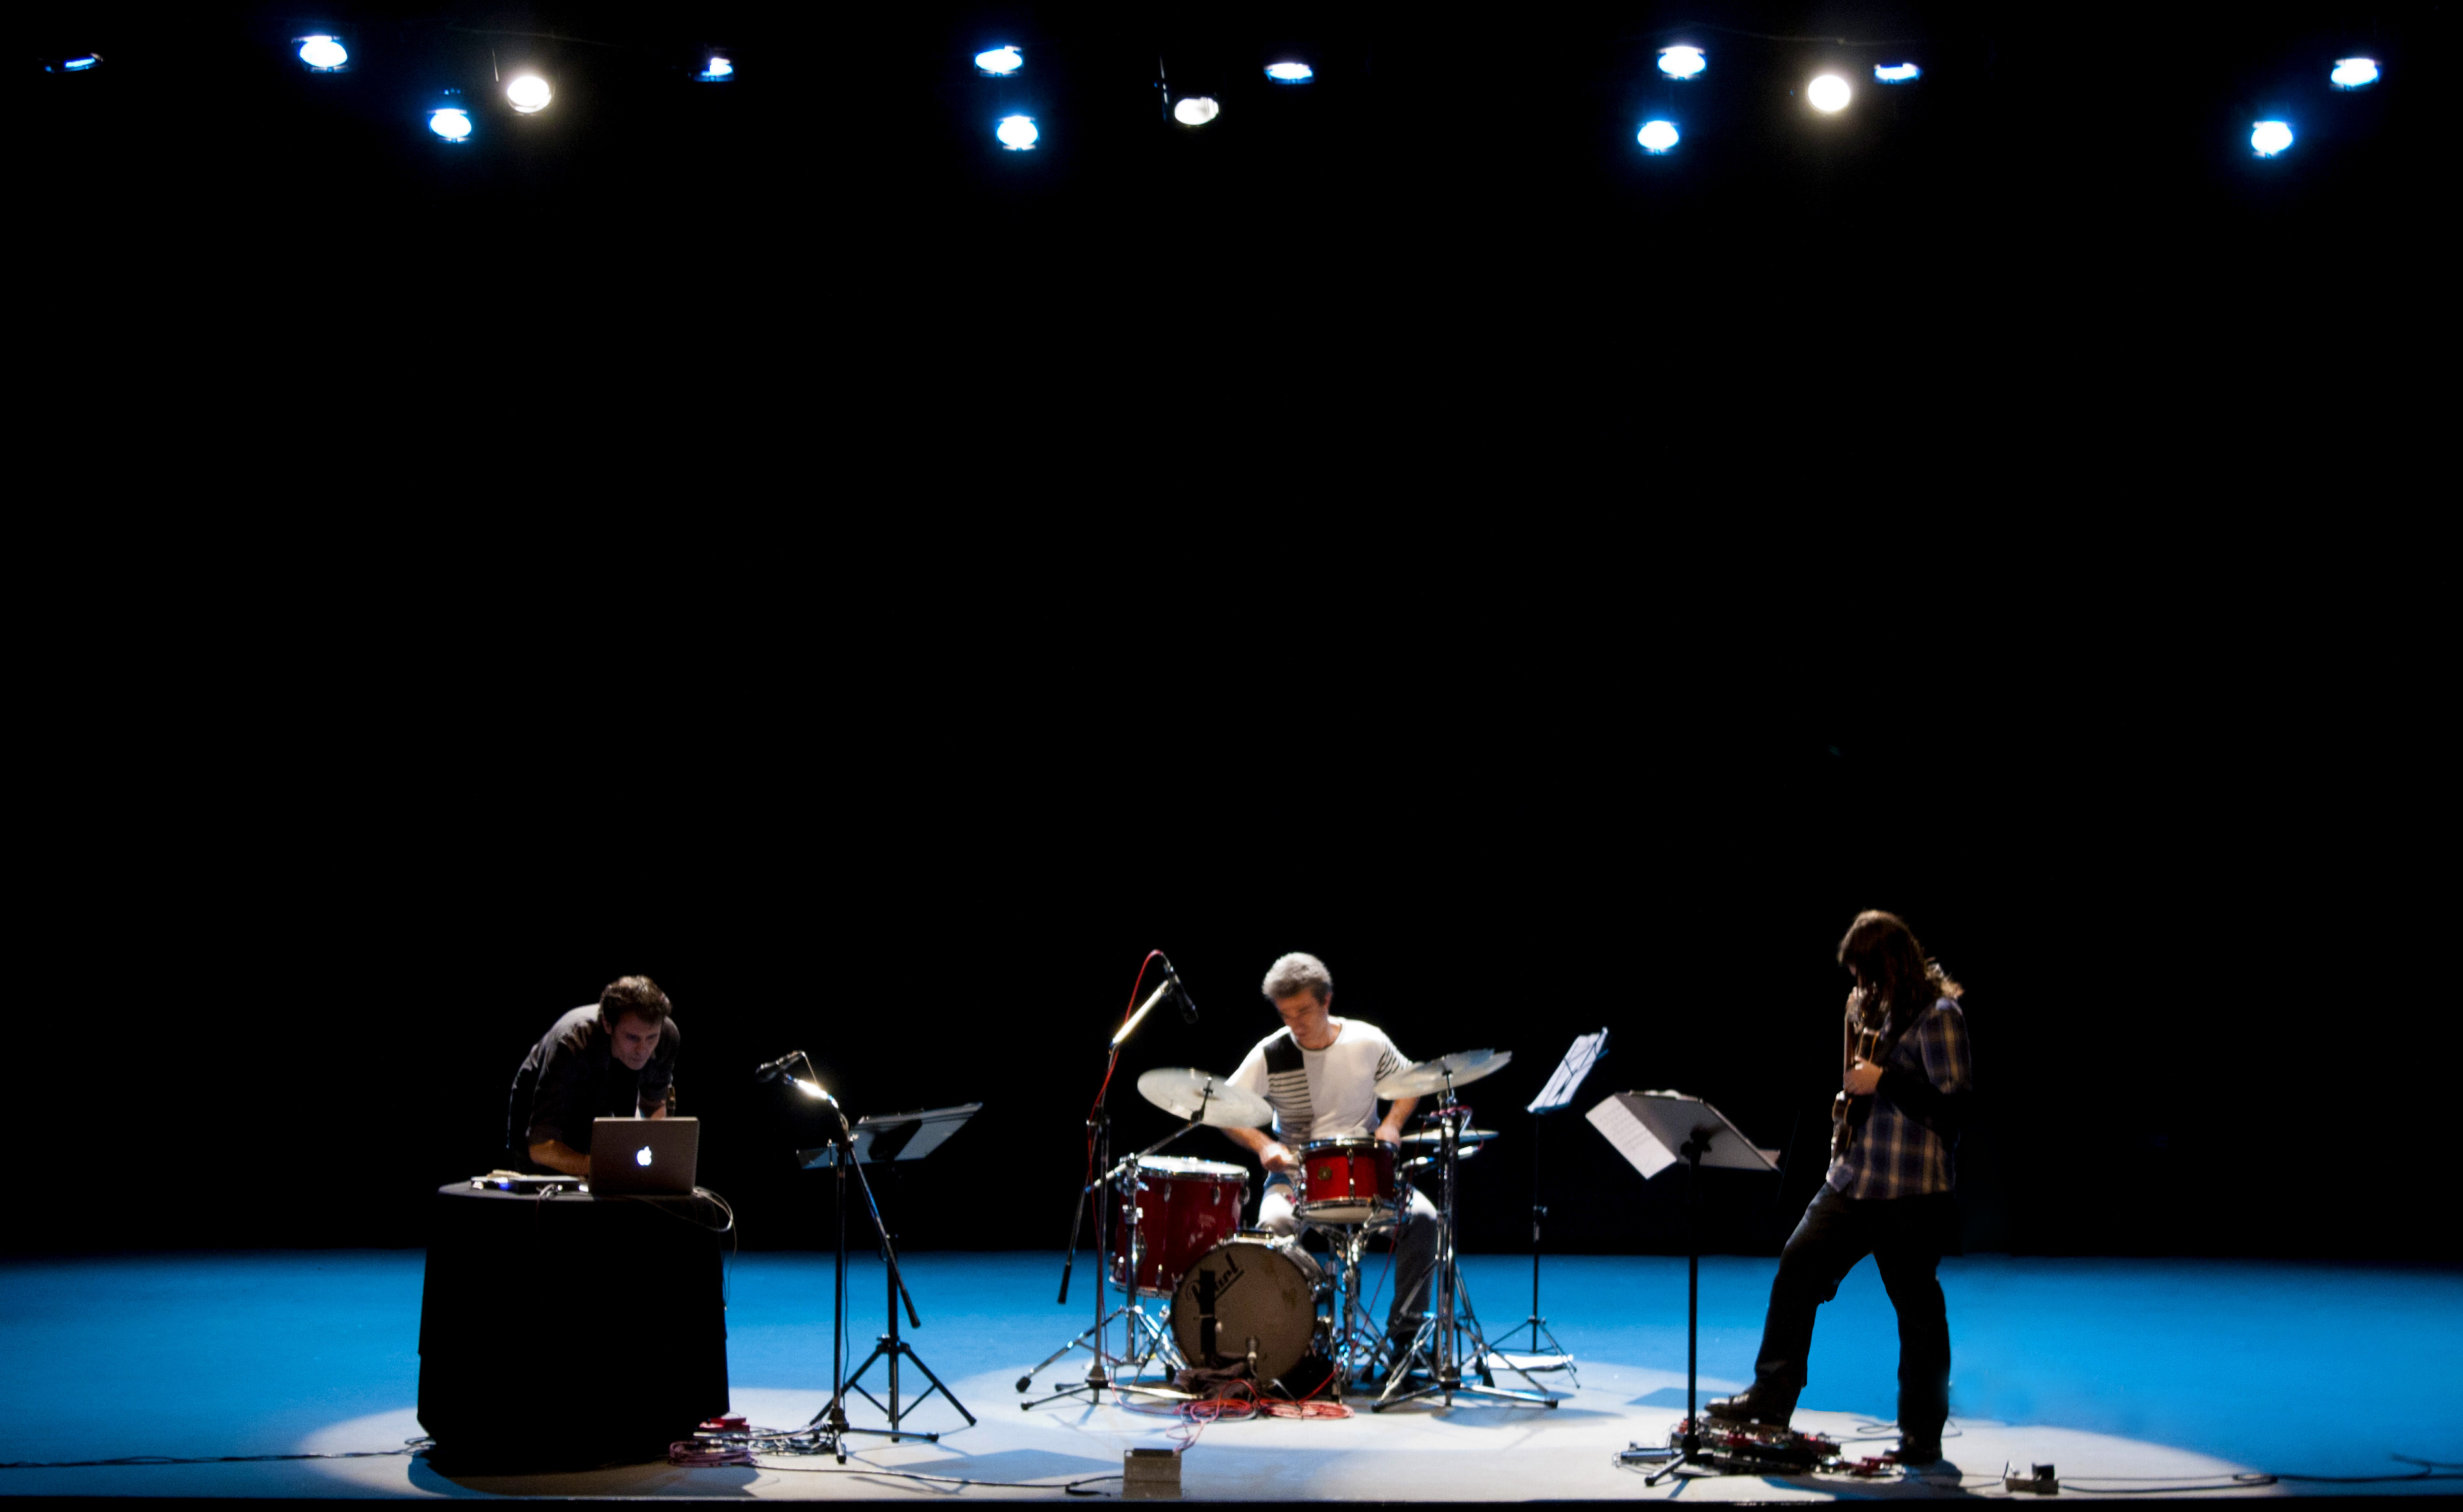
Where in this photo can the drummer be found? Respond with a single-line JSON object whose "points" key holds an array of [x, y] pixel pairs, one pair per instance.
{"points": [[1319, 1073]]}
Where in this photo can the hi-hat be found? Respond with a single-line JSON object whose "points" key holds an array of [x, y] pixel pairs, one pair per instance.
{"points": [[1457, 1070], [1203, 1095], [1469, 1136]]}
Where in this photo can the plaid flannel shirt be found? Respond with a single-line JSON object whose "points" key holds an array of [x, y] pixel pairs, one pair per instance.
{"points": [[1897, 1153]]}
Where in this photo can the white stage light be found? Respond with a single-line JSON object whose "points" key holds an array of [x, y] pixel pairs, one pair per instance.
{"points": [[1016, 133], [451, 121], [1290, 72], [1195, 110], [2354, 72], [2267, 138], [718, 71], [1001, 60], [1657, 135], [1896, 72], [528, 94], [324, 55], [1827, 93], [1682, 62]]}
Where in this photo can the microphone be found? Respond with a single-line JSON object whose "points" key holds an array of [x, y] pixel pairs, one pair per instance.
{"points": [[772, 1071], [1187, 1004]]}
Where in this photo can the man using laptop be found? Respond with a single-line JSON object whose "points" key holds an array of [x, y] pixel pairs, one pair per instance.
{"points": [[612, 1059]]}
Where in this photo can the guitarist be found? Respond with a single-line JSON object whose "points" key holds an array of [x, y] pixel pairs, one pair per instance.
{"points": [[1905, 1082]]}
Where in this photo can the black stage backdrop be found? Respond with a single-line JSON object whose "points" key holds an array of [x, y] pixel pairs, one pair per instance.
{"points": [[281, 995]]}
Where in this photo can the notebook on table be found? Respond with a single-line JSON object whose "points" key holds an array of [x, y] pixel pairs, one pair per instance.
{"points": [[643, 1156]]}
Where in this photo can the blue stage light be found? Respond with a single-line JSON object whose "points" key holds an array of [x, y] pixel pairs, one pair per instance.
{"points": [[79, 64], [449, 121], [718, 70], [1001, 60], [2354, 72], [1682, 62], [1657, 135], [1017, 133], [2267, 138], [1290, 72], [1896, 72], [323, 55]]}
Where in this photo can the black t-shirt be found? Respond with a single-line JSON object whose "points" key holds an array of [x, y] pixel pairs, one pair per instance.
{"points": [[572, 1075]]}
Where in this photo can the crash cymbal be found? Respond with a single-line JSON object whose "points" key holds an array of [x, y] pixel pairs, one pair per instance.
{"points": [[1470, 1136], [1187, 1093], [1462, 1068]]}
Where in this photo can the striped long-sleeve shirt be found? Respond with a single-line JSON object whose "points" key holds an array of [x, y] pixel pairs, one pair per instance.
{"points": [[1907, 1146]]}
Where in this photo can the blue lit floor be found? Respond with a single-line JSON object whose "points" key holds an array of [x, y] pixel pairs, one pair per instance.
{"points": [[2321, 1370]]}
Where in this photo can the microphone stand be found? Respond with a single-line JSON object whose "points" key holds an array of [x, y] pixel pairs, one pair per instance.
{"points": [[1099, 1125]]}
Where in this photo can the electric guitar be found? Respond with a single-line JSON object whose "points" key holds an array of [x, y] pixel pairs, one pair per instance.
{"points": [[1847, 1114]]}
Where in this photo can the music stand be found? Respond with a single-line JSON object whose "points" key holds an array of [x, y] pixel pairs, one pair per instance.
{"points": [[880, 1139], [1585, 1052], [1654, 1131]]}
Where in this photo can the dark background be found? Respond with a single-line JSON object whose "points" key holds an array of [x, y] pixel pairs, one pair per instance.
{"points": [[763, 537]]}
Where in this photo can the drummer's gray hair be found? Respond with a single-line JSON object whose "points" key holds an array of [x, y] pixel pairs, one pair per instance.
{"points": [[1298, 973]]}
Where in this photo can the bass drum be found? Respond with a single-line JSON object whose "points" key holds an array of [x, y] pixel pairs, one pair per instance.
{"points": [[1251, 1294]]}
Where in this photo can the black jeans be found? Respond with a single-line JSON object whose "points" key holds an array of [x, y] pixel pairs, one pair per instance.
{"points": [[1906, 1236]]}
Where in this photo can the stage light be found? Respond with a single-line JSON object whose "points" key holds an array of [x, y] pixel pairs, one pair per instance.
{"points": [[1195, 110], [323, 55], [80, 64], [1290, 72], [1001, 60], [717, 70], [451, 121], [528, 94], [1657, 135], [2354, 72], [1896, 72], [2267, 138], [1827, 93], [1016, 133], [1682, 62]]}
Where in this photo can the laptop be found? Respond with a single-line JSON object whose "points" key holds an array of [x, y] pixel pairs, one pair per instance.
{"points": [[643, 1156]]}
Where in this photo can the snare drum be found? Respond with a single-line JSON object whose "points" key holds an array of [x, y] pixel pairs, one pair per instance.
{"points": [[1253, 1293], [1346, 1181], [1187, 1207]]}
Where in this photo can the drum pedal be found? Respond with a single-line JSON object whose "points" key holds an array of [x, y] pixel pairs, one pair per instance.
{"points": [[2042, 1483], [1150, 1475]]}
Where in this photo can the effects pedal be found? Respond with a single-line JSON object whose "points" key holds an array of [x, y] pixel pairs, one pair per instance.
{"points": [[2042, 1483]]}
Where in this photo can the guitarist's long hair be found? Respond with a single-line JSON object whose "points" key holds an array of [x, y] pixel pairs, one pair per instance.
{"points": [[1900, 983]]}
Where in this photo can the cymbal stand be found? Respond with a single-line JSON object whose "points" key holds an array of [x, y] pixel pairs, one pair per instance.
{"points": [[1140, 1328], [1438, 1345]]}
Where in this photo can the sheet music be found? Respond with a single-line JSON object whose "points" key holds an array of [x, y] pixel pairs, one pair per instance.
{"points": [[1567, 1079], [882, 1138], [1635, 1143]]}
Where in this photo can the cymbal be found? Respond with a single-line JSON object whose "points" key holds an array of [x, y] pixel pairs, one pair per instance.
{"points": [[1464, 1067], [1470, 1136], [1185, 1093]]}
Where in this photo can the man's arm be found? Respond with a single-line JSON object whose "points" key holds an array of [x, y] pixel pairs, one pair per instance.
{"points": [[1390, 1129], [557, 1156], [1261, 1143]]}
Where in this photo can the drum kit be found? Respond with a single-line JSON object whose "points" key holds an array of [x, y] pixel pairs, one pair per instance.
{"points": [[1254, 1302]]}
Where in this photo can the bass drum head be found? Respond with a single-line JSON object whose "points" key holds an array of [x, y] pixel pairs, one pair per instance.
{"points": [[1243, 1290]]}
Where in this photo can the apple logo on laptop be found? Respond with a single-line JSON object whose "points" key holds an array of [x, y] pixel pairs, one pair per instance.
{"points": [[641, 1157]]}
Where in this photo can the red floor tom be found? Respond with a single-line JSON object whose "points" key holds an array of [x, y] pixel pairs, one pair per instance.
{"points": [[1187, 1208], [1346, 1181]]}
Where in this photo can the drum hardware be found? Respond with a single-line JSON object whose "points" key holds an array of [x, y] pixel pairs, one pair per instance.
{"points": [[1438, 1345], [1202, 1098]]}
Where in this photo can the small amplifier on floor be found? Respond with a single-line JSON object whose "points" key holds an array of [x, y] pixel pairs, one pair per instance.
{"points": [[1150, 1475], [2042, 1483]]}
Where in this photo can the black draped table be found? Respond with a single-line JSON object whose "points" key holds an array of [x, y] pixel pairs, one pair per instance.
{"points": [[569, 1329]]}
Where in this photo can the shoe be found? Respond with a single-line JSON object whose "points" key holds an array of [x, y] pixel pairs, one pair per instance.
{"points": [[1912, 1453], [1754, 1406]]}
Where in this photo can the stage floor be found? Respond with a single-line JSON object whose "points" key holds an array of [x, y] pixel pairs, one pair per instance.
{"points": [[2130, 1376]]}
